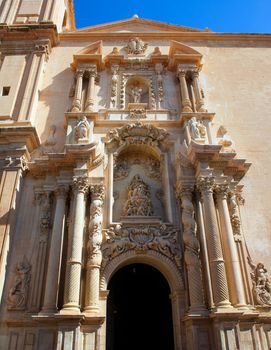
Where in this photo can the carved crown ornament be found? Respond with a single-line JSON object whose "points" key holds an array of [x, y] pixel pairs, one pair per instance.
{"points": [[137, 133]]}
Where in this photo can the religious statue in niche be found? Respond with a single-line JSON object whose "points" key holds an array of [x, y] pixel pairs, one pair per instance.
{"points": [[136, 46], [139, 199], [136, 93], [81, 131], [17, 296], [261, 284], [224, 139], [197, 129]]}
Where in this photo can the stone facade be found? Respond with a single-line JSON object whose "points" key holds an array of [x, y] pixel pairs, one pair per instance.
{"points": [[127, 143]]}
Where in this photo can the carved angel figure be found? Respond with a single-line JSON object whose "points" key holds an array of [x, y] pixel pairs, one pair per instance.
{"points": [[197, 129], [139, 199], [261, 284], [17, 295]]}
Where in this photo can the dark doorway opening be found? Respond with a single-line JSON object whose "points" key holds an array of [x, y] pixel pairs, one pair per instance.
{"points": [[139, 315]]}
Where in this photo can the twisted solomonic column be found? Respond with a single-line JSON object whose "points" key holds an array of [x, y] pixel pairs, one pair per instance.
{"points": [[232, 262], [217, 265], [74, 261], [191, 254], [94, 254]]}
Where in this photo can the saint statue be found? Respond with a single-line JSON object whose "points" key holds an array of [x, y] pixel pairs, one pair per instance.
{"points": [[136, 93]]}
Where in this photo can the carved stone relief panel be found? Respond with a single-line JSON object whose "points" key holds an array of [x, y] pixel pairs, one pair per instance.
{"points": [[137, 181]]}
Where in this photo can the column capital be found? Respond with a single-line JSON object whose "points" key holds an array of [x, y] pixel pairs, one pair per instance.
{"points": [[92, 70], [205, 184], [195, 72], [80, 73], [97, 191], [61, 190], [184, 190], [80, 184], [221, 191]]}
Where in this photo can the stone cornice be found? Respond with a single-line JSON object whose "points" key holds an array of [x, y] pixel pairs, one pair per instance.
{"points": [[164, 35], [20, 137], [15, 32]]}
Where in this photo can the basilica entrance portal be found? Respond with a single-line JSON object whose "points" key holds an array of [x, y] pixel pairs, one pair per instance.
{"points": [[139, 312]]}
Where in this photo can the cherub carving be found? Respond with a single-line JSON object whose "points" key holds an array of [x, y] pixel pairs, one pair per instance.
{"points": [[261, 284]]}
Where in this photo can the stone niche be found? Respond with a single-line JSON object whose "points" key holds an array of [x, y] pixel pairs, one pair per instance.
{"points": [[138, 189]]}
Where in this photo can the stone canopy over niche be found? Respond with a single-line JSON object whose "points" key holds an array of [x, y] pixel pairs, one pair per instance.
{"points": [[134, 167]]}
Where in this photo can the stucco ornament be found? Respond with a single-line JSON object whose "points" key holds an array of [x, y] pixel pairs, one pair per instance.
{"points": [[197, 129], [141, 238], [139, 199], [17, 296], [136, 46], [261, 284], [81, 131]]}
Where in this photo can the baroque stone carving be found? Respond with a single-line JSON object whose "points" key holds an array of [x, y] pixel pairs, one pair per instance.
{"points": [[136, 46], [136, 92], [137, 133], [192, 247], [139, 199], [121, 238], [114, 83], [18, 293], [224, 139], [197, 129], [235, 218], [95, 225], [261, 284], [121, 169], [81, 131], [160, 88]]}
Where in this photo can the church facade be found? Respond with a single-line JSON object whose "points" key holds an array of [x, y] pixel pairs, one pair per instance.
{"points": [[135, 191]]}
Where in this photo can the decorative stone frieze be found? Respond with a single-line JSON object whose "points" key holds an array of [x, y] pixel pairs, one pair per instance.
{"points": [[141, 238], [18, 293]]}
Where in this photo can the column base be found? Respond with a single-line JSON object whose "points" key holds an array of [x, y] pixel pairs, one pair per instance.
{"points": [[225, 304], [198, 311], [91, 311], [70, 309]]}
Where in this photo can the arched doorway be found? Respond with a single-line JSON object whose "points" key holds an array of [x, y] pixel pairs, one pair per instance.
{"points": [[139, 314]]}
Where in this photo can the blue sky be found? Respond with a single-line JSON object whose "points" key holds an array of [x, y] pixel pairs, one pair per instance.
{"points": [[243, 16]]}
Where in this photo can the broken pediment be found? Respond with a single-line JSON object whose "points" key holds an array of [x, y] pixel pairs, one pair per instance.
{"points": [[89, 54], [180, 53], [136, 25]]}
